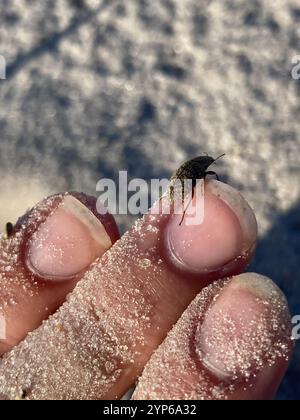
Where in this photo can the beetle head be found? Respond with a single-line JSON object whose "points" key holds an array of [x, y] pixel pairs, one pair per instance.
{"points": [[206, 161]]}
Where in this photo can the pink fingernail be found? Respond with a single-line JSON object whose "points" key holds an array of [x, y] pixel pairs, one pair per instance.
{"points": [[67, 242], [227, 231], [246, 328]]}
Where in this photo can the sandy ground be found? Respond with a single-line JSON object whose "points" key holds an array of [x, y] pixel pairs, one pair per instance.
{"points": [[140, 85]]}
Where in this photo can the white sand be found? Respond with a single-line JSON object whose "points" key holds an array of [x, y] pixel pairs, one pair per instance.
{"points": [[141, 86]]}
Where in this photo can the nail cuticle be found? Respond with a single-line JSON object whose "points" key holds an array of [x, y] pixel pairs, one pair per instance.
{"points": [[226, 269], [48, 277]]}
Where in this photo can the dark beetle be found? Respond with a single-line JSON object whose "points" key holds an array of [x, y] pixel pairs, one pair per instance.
{"points": [[9, 229], [194, 170]]}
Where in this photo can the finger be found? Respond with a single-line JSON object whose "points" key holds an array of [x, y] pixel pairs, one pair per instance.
{"points": [[45, 256], [233, 342], [96, 345]]}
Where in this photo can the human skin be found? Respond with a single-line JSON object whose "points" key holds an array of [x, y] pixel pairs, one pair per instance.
{"points": [[129, 295]]}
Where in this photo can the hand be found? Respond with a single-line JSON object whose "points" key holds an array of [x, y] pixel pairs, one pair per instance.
{"points": [[232, 341]]}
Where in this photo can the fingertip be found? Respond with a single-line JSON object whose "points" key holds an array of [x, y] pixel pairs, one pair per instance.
{"points": [[45, 256], [232, 342], [246, 328]]}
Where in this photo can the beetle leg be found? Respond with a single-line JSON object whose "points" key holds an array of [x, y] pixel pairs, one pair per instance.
{"points": [[184, 212], [191, 199]]}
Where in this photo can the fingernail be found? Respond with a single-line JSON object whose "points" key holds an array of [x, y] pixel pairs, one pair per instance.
{"points": [[67, 242], [228, 230], [246, 328]]}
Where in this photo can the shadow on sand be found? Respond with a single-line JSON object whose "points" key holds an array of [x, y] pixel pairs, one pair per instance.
{"points": [[277, 257]]}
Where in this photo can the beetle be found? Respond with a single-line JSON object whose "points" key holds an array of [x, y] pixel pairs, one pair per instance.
{"points": [[193, 169], [9, 229]]}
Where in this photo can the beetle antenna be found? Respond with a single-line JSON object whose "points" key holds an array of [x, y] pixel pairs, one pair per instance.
{"points": [[219, 157]]}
